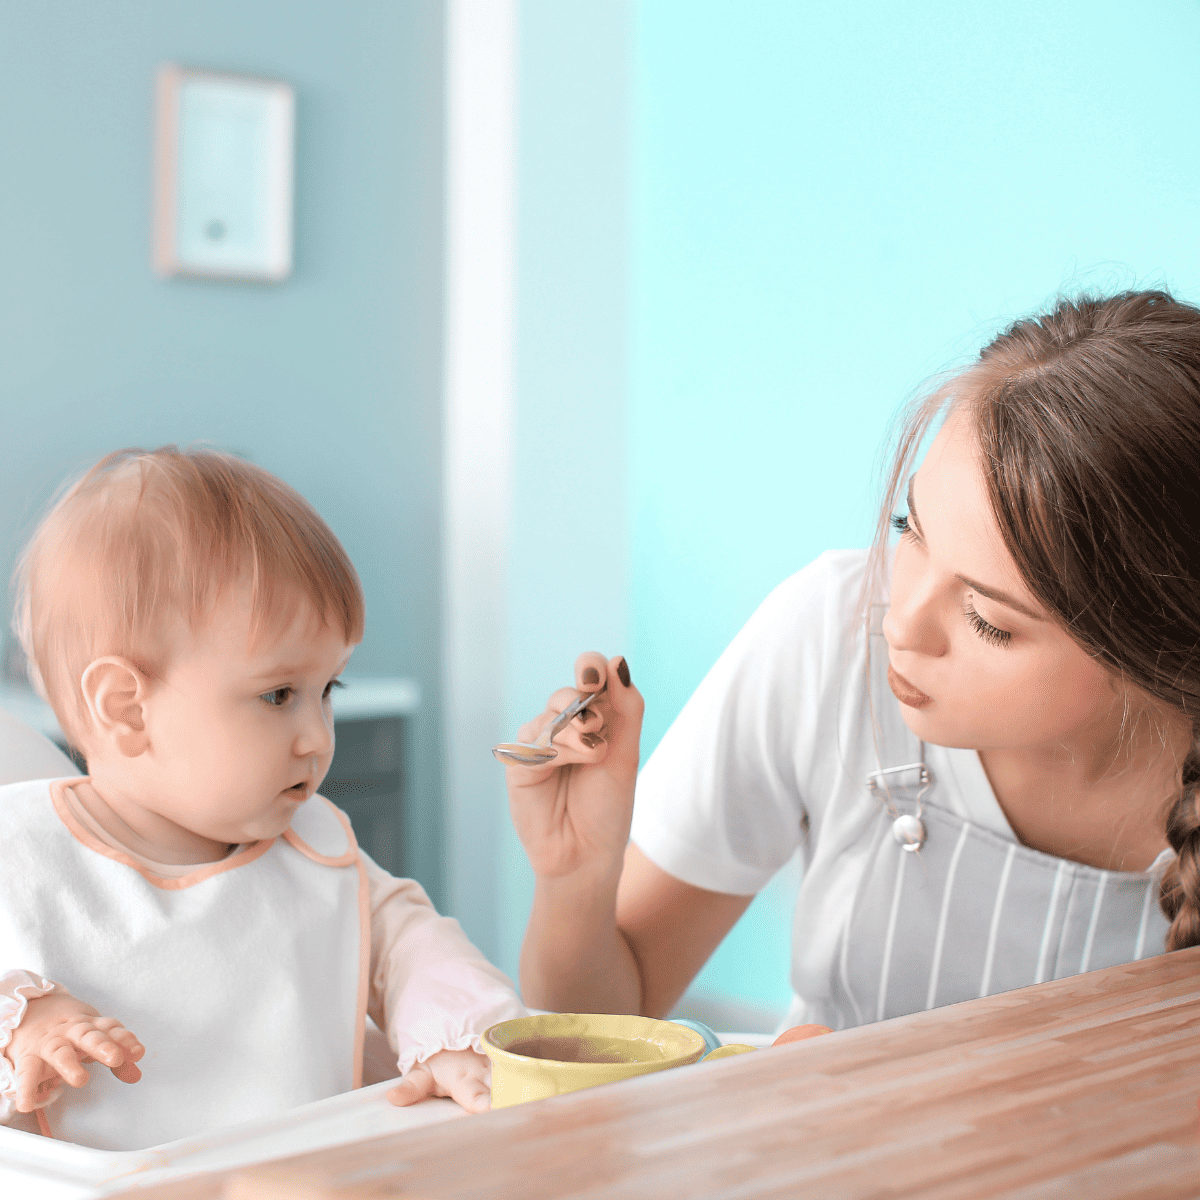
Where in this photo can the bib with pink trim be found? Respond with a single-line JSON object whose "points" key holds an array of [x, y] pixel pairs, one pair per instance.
{"points": [[246, 980]]}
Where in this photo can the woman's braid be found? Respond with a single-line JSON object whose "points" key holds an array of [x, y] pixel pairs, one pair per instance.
{"points": [[1180, 894]]}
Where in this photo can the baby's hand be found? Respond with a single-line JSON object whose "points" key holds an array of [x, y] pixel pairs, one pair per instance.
{"points": [[459, 1074], [56, 1036]]}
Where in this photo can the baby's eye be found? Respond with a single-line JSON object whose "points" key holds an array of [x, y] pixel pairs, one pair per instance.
{"points": [[333, 683], [276, 698]]}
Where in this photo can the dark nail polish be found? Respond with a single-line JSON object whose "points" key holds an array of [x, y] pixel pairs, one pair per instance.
{"points": [[623, 672], [591, 675]]}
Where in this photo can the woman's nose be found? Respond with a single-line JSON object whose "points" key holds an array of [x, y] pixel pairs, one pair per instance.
{"points": [[912, 621]]}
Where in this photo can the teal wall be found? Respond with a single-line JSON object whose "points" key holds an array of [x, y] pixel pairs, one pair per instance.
{"points": [[831, 202], [332, 380], [745, 233]]}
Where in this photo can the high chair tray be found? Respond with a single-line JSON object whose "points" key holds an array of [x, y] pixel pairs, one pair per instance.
{"points": [[41, 1168], [46, 1169]]}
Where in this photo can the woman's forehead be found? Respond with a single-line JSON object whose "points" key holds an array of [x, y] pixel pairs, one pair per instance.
{"points": [[950, 496]]}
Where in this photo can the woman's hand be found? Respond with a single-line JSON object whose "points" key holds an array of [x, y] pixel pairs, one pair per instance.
{"points": [[575, 811], [58, 1035], [460, 1074]]}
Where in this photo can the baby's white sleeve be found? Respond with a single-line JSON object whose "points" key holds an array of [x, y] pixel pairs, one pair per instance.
{"points": [[431, 989], [17, 988]]}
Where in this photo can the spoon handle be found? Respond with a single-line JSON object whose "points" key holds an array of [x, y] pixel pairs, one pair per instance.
{"points": [[565, 717]]}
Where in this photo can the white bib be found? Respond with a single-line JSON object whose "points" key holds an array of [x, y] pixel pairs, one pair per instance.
{"points": [[245, 980]]}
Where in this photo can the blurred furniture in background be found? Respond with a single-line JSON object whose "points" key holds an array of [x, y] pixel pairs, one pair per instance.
{"points": [[368, 777]]}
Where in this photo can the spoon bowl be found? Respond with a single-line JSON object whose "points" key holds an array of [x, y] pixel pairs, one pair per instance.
{"points": [[535, 754]]}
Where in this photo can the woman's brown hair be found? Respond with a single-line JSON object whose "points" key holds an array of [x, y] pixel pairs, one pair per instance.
{"points": [[1088, 422]]}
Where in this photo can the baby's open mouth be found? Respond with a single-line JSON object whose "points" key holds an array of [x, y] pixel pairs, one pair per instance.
{"points": [[299, 790]]}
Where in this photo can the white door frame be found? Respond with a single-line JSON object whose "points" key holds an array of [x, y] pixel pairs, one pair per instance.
{"points": [[480, 236]]}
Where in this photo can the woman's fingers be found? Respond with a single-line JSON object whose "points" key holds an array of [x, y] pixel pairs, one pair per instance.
{"points": [[414, 1087], [614, 718], [590, 671], [625, 705], [620, 708]]}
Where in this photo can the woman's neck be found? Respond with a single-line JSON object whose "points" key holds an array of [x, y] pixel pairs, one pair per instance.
{"points": [[1102, 801]]}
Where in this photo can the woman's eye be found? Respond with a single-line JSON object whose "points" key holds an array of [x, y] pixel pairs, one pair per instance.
{"points": [[901, 526], [989, 633], [277, 698]]}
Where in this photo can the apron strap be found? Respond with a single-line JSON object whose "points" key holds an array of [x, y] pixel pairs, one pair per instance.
{"points": [[899, 753]]}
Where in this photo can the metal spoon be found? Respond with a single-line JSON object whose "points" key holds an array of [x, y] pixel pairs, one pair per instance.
{"points": [[534, 754]]}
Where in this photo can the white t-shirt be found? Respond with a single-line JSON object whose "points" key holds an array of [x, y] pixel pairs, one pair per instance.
{"points": [[771, 755]]}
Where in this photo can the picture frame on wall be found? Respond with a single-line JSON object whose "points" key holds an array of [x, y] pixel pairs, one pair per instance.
{"points": [[223, 179]]}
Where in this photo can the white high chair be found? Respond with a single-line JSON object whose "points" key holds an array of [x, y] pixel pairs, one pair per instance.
{"points": [[35, 1166]]}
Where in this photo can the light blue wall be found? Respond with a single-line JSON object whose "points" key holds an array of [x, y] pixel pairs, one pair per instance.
{"points": [[331, 380], [830, 203], [568, 564]]}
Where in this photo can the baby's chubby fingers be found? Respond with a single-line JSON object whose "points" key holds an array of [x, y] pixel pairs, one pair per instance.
{"points": [[472, 1093], [66, 1058], [35, 1079], [418, 1084], [109, 1042]]}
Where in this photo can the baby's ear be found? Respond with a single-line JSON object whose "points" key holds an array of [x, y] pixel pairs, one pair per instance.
{"points": [[115, 690]]}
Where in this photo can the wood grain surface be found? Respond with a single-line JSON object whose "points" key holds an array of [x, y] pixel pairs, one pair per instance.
{"points": [[1083, 1087]]}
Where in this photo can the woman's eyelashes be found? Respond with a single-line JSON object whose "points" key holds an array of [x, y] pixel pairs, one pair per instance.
{"points": [[989, 633]]}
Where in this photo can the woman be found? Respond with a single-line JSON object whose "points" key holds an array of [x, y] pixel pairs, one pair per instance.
{"points": [[983, 743]]}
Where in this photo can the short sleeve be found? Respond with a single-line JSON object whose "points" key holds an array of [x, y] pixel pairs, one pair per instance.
{"points": [[722, 803]]}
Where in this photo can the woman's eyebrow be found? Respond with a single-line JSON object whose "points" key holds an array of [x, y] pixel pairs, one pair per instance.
{"points": [[990, 592], [1000, 597]]}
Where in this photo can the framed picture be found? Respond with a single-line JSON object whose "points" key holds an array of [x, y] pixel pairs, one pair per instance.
{"points": [[223, 176]]}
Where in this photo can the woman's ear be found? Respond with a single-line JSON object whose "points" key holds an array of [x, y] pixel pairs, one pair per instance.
{"points": [[115, 691]]}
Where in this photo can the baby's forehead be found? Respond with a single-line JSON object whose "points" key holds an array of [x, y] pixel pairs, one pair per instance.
{"points": [[258, 626]]}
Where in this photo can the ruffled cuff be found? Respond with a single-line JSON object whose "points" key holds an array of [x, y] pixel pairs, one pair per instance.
{"points": [[448, 1007], [17, 988]]}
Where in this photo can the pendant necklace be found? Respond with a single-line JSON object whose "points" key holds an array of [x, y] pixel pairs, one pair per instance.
{"points": [[908, 829]]}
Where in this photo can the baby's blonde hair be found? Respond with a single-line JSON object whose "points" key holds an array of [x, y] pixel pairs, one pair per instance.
{"points": [[144, 538]]}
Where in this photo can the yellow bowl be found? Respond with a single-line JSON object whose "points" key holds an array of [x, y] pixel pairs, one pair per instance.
{"points": [[547, 1055]]}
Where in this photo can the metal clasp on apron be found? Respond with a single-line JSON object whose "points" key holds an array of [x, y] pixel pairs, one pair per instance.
{"points": [[908, 829]]}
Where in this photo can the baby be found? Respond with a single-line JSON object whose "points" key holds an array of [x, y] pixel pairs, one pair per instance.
{"points": [[187, 616]]}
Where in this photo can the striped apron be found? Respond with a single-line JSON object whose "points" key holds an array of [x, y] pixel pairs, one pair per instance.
{"points": [[970, 913]]}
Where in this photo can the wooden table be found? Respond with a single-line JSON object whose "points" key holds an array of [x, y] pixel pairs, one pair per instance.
{"points": [[1084, 1087]]}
